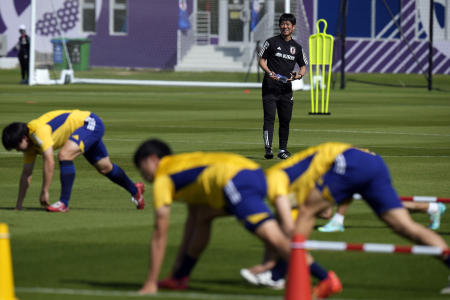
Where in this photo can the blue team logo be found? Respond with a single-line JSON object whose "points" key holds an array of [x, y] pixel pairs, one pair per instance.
{"points": [[292, 50]]}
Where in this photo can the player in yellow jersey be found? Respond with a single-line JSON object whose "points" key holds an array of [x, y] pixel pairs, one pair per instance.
{"points": [[75, 132], [331, 173], [212, 184]]}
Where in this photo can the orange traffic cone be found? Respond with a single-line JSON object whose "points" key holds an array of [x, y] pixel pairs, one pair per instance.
{"points": [[6, 275], [298, 282]]}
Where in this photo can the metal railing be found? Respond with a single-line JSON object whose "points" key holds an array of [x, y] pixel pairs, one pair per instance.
{"points": [[203, 32]]}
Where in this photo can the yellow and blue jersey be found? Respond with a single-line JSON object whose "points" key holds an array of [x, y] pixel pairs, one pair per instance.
{"points": [[197, 178], [300, 173], [338, 171], [53, 129]]}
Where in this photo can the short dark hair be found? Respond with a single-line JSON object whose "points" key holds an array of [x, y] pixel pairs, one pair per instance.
{"points": [[151, 147], [287, 17], [13, 135]]}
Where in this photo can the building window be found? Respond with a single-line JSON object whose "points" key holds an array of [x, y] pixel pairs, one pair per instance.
{"points": [[118, 17], [88, 15]]}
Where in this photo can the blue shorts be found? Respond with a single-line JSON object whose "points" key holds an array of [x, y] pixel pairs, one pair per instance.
{"points": [[244, 198], [365, 173], [89, 138]]}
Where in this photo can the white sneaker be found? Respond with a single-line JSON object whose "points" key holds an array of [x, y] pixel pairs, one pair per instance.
{"points": [[332, 226], [446, 290], [249, 276], [265, 279]]}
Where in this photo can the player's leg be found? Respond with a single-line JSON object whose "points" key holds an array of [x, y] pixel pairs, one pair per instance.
{"points": [[95, 151], [381, 196], [69, 151], [336, 223], [400, 221], [285, 104], [434, 210], [269, 108]]}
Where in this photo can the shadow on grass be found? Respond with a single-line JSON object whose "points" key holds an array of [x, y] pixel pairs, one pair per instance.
{"points": [[129, 286], [389, 288], [24, 208], [443, 233], [195, 286]]}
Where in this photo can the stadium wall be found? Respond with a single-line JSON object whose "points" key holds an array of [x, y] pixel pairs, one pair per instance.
{"points": [[151, 41], [374, 43]]}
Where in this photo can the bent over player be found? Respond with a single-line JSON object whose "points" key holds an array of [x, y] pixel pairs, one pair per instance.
{"points": [[330, 174], [75, 132], [278, 57], [213, 183]]}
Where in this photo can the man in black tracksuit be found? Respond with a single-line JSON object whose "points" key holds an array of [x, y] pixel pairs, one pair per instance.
{"points": [[278, 57], [24, 54]]}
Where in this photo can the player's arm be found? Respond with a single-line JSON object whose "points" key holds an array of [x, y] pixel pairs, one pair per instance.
{"points": [[263, 65], [157, 249], [263, 55], [301, 61], [298, 75], [48, 169], [24, 183], [283, 207]]}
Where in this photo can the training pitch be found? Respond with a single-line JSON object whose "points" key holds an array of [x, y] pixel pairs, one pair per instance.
{"points": [[99, 250]]}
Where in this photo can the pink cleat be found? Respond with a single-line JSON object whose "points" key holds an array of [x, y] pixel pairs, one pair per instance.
{"points": [[58, 207], [138, 199]]}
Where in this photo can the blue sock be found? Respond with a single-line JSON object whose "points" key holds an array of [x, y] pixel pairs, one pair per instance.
{"points": [[118, 176], [67, 177], [318, 271], [279, 270], [186, 266]]}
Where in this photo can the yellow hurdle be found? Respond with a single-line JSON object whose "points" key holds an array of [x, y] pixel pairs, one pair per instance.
{"points": [[6, 273], [320, 54]]}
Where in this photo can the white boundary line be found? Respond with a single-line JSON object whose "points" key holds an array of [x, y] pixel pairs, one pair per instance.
{"points": [[167, 295], [170, 83], [313, 130], [112, 293]]}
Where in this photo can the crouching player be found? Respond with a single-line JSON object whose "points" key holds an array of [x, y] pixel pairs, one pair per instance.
{"points": [[211, 183], [272, 271], [75, 132], [330, 174]]}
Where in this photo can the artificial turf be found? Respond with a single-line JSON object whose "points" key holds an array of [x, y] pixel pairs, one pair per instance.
{"points": [[101, 245]]}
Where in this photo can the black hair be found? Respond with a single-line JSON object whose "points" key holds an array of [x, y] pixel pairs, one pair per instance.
{"points": [[287, 17], [151, 147], [13, 134]]}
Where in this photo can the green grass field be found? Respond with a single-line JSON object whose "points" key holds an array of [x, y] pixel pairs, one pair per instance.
{"points": [[99, 250]]}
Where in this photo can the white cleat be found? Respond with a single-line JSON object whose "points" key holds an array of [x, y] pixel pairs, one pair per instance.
{"points": [[249, 276], [265, 279]]}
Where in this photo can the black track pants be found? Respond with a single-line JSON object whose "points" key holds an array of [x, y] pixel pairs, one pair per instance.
{"points": [[280, 100]]}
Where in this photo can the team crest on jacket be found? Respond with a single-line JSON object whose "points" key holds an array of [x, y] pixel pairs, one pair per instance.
{"points": [[292, 50]]}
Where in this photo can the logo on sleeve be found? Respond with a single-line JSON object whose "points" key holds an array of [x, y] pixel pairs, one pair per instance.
{"points": [[37, 140], [279, 48], [292, 50]]}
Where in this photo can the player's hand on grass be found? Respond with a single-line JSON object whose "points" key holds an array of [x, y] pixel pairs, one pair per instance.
{"points": [[44, 198], [148, 288], [18, 207]]}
